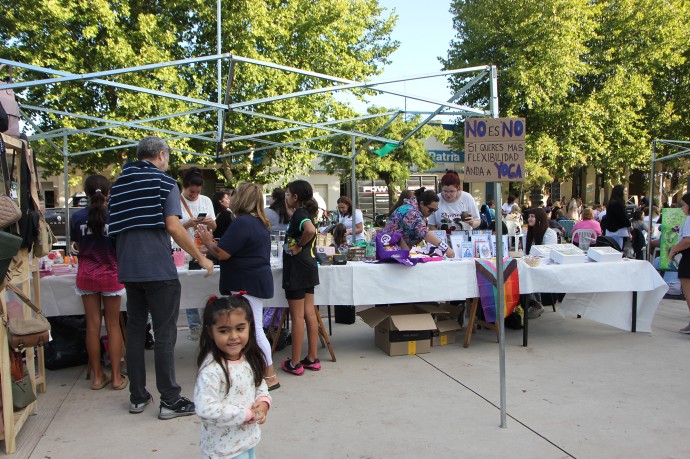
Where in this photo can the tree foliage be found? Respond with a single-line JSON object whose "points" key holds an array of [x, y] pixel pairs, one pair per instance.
{"points": [[394, 168], [596, 81], [346, 38]]}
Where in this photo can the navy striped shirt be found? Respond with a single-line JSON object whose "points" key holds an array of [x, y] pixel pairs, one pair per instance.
{"points": [[137, 198]]}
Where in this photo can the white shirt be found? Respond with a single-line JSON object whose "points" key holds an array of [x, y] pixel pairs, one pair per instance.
{"points": [[451, 210], [506, 207], [347, 221], [224, 432], [201, 205]]}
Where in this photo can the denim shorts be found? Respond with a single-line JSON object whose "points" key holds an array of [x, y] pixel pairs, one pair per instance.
{"points": [[81, 292]]}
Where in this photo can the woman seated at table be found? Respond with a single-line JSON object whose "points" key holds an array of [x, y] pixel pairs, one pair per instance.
{"points": [[587, 222], [351, 218], [538, 233], [410, 221]]}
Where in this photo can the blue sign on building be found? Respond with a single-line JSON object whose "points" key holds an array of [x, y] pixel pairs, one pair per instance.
{"points": [[447, 156]]}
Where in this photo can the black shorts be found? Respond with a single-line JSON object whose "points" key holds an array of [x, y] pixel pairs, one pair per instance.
{"points": [[684, 265], [298, 294]]}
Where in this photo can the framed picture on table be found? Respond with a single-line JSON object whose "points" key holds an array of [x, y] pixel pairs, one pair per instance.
{"points": [[467, 249], [483, 249], [456, 241], [505, 245], [441, 234]]}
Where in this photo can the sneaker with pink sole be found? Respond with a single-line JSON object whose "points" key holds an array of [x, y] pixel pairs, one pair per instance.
{"points": [[290, 368], [309, 365]]}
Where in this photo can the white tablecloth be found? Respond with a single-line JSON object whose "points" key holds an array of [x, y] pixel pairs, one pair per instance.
{"points": [[609, 301], [600, 291]]}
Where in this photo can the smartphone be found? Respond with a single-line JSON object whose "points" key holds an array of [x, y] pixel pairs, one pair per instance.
{"points": [[201, 216]]}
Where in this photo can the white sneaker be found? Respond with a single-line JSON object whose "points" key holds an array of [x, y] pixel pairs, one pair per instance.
{"points": [[685, 330], [194, 334]]}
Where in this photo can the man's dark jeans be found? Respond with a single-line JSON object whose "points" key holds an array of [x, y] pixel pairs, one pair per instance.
{"points": [[162, 299]]}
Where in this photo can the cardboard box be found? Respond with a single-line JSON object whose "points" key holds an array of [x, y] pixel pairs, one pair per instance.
{"points": [[445, 332], [402, 329]]}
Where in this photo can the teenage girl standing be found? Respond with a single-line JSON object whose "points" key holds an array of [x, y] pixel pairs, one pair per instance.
{"points": [[230, 395], [97, 281], [301, 275]]}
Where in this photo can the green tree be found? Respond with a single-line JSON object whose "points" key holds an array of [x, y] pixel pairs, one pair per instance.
{"points": [[592, 78], [347, 38], [393, 168]]}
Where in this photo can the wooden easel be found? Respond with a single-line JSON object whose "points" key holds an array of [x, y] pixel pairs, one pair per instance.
{"points": [[474, 302], [280, 319]]}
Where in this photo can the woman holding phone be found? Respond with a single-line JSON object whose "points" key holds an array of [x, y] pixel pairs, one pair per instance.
{"points": [[196, 209]]}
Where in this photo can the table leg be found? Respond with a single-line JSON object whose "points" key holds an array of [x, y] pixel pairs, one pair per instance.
{"points": [[523, 301], [470, 324], [323, 335], [281, 321], [633, 327]]}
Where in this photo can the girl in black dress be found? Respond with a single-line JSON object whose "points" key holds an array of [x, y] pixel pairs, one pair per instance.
{"points": [[301, 275]]}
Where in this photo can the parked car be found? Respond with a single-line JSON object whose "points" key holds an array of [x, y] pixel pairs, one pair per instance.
{"points": [[56, 219]]}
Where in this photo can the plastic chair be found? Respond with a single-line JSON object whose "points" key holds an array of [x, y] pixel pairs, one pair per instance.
{"points": [[567, 227], [584, 235]]}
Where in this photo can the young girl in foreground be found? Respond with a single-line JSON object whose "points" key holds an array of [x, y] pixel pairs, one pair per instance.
{"points": [[231, 396]]}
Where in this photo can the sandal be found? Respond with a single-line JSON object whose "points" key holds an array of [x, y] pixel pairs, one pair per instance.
{"points": [[274, 386], [123, 383], [105, 382]]}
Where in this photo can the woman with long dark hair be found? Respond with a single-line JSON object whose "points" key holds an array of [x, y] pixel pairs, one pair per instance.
{"points": [[97, 281], [301, 275], [538, 233], [221, 208], [351, 218], [617, 224]]}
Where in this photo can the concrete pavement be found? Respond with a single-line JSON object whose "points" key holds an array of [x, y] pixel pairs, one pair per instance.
{"points": [[579, 390]]}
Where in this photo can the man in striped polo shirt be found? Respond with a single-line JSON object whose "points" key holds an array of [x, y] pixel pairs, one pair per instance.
{"points": [[145, 212]]}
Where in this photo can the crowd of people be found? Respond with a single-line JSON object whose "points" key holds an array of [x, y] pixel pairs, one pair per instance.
{"points": [[127, 234]]}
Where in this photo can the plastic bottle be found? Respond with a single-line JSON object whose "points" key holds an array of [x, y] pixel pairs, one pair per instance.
{"points": [[370, 251]]}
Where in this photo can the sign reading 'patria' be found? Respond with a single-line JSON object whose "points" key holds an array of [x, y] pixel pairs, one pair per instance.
{"points": [[494, 149]]}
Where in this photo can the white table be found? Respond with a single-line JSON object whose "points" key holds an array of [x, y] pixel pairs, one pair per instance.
{"points": [[610, 287], [602, 292]]}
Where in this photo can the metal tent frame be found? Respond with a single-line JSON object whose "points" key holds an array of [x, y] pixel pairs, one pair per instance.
{"points": [[219, 135], [684, 150]]}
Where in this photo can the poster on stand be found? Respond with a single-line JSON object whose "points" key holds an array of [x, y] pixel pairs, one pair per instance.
{"points": [[672, 220]]}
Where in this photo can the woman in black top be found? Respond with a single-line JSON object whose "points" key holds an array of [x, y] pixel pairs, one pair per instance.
{"points": [[301, 275], [221, 207], [616, 222]]}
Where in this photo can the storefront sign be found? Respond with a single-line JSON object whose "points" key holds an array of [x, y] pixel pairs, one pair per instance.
{"points": [[494, 149]]}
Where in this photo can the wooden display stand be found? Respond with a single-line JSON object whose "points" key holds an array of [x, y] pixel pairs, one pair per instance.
{"points": [[278, 321], [474, 302], [25, 277]]}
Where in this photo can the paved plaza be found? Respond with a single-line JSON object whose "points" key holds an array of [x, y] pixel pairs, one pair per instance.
{"points": [[580, 389]]}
